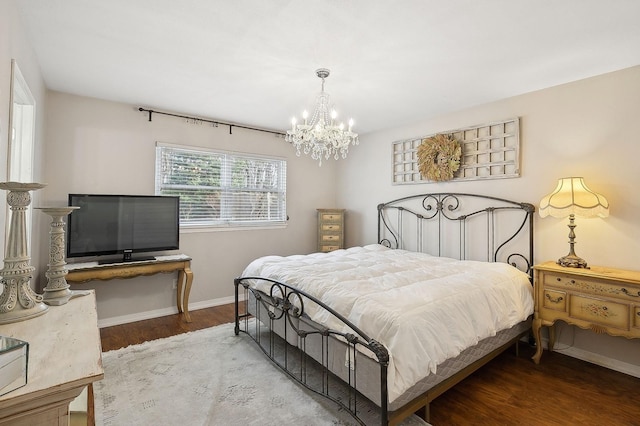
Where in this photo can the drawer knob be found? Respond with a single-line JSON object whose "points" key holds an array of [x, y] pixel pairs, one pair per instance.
{"points": [[558, 279], [628, 293], [573, 281]]}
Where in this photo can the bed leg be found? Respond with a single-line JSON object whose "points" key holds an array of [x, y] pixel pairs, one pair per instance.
{"points": [[424, 413], [236, 329]]}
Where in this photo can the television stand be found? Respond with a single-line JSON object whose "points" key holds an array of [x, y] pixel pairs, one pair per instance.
{"points": [[89, 271]]}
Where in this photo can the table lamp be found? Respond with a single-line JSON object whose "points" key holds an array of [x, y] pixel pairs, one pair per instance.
{"points": [[573, 198]]}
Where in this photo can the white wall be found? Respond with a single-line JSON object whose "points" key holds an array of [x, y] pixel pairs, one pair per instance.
{"points": [[14, 44], [95, 146], [587, 128]]}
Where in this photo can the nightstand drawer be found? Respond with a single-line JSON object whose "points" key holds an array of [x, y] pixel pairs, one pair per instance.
{"points": [[556, 300], [583, 285], [331, 227], [600, 311], [330, 217]]}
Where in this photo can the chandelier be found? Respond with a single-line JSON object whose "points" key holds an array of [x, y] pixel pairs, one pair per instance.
{"points": [[321, 136]]}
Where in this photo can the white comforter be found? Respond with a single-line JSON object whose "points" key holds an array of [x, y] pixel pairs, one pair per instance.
{"points": [[424, 309]]}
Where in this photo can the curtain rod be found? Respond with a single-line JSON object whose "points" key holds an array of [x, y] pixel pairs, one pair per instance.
{"points": [[231, 125]]}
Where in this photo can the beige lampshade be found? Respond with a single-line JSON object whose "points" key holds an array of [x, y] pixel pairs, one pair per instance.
{"points": [[572, 196]]}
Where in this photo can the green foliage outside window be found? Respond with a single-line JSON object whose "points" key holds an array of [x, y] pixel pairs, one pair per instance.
{"points": [[222, 189]]}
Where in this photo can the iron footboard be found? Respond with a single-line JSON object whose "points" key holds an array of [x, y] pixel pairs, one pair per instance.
{"points": [[276, 320]]}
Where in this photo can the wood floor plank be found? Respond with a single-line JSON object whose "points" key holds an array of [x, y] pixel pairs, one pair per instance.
{"points": [[120, 336], [510, 390]]}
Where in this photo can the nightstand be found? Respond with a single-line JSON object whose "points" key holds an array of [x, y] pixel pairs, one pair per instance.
{"points": [[330, 229], [604, 300]]}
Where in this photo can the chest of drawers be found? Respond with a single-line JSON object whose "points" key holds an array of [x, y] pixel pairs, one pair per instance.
{"points": [[604, 300], [330, 229]]}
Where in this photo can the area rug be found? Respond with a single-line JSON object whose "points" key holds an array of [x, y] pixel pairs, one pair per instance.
{"points": [[208, 377]]}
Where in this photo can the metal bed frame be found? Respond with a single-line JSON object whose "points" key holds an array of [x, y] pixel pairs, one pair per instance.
{"points": [[277, 321]]}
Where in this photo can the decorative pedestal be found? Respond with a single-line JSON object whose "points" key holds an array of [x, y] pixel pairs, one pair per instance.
{"points": [[57, 290], [18, 300]]}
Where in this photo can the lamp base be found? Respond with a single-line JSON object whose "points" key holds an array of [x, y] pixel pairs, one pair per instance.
{"points": [[572, 261]]}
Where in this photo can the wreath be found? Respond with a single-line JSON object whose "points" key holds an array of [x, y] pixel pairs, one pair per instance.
{"points": [[439, 157]]}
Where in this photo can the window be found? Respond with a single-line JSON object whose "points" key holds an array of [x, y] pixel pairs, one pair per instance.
{"points": [[222, 189], [22, 119]]}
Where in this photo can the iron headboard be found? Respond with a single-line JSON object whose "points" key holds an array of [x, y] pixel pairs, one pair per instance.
{"points": [[459, 225]]}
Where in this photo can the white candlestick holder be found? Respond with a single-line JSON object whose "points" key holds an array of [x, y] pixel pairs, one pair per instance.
{"points": [[18, 301], [57, 290]]}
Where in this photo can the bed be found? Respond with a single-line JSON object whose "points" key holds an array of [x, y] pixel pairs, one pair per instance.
{"points": [[446, 288]]}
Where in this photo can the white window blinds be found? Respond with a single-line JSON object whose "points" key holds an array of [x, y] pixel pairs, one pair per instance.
{"points": [[222, 189]]}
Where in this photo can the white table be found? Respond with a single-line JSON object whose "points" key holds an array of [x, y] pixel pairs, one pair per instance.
{"points": [[65, 356]]}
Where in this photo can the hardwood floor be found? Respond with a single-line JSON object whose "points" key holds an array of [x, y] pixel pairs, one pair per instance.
{"points": [[561, 390], [119, 336], [509, 390]]}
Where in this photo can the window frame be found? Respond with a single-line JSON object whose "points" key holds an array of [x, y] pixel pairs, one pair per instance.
{"points": [[226, 189]]}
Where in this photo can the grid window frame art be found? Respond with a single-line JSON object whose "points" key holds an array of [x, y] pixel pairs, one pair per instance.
{"points": [[489, 151]]}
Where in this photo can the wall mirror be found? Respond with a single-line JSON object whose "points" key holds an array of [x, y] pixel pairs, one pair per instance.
{"points": [[22, 119]]}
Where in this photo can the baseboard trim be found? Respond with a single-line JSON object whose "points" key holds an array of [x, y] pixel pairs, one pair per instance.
{"points": [[594, 358], [141, 316], [601, 360]]}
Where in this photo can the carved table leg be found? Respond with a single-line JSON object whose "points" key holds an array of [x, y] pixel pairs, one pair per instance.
{"points": [[180, 290], [185, 278], [552, 337], [187, 291], [536, 326]]}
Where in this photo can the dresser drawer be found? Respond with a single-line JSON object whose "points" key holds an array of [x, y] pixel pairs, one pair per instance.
{"points": [[330, 238], [554, 299], [324, 248], [636, 316], [605, 312], [595, 287], [331, 227], [330, 217]]}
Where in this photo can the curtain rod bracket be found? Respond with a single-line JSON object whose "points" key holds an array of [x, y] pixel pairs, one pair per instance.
{"points": [[146, 110]]}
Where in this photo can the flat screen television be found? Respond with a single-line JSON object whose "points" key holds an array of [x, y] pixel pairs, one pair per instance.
{"points": [[122, 224]]}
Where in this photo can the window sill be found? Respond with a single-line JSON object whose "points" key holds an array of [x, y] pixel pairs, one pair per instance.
{"points": [[193, 229]]}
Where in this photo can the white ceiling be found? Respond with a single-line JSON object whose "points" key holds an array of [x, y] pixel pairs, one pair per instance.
{"points": [[392, 62]]}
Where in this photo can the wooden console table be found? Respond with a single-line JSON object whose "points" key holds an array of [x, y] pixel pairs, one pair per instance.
{"points": [[83, 272], [65, 356]]}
